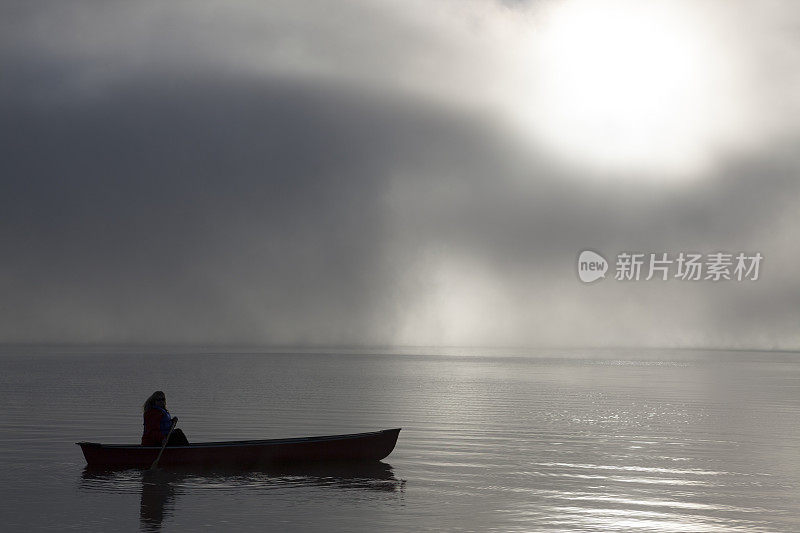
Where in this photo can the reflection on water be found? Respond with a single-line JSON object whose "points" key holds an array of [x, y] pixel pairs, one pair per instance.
{"points": [[158, 498], [602, 441], [159, 488]]}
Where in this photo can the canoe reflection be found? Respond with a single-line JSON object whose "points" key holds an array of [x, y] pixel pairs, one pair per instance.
{"points": [[160, 487]]}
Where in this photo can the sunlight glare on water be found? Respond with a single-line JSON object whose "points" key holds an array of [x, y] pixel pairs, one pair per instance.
{"points": [[543, 441]]}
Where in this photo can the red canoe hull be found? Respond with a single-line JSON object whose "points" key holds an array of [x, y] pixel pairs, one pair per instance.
{"points": [[246, 454]]}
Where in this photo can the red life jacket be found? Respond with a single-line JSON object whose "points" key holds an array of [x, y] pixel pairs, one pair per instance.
{"points": [[157, 423]]}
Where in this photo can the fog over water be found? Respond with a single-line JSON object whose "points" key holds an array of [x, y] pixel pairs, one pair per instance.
{"points": [[342, 216], [359, 173]]}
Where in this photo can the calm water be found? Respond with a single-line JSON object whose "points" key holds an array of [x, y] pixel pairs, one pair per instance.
{"points": [[549, 441]]}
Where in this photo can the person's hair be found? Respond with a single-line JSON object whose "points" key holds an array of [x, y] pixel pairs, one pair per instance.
{"points": [[150, 403]]}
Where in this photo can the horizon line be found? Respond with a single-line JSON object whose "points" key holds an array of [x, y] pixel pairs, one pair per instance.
{"points": [[382, 347]]}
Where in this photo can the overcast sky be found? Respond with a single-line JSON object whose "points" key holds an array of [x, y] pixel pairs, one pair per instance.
{"points": [[414, 173]]}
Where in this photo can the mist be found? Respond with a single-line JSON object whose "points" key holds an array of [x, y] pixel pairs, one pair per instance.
{"points": [[347, 174]]}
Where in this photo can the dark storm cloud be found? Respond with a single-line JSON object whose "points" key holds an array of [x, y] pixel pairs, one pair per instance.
{"points": [[153, 193], [187, 198]]}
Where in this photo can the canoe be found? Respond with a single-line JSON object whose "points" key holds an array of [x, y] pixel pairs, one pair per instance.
{"points": [[372, 446]]}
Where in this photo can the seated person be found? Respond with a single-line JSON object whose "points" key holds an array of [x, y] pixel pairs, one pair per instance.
{"points": [[157, 423]]}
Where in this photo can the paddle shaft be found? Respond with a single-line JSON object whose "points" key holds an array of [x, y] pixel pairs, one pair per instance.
{"points": [[163, 446]]}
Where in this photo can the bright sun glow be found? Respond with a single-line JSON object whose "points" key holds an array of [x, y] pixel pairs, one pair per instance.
{"points": [[628, 86]]}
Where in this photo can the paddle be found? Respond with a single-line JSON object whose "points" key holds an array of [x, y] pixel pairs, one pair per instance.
{"points": [[155, 463]]}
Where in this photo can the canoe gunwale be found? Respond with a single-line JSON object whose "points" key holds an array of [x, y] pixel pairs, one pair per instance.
{"points": [[233, 443]]}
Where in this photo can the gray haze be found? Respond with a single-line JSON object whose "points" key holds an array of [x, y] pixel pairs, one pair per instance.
{"points": [[352, 173]]}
